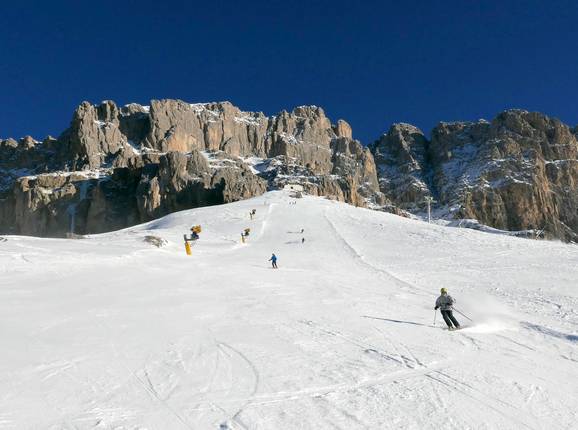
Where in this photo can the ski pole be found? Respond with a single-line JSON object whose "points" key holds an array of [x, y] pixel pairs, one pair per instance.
{"points": [[435, 315], [463, 314]]}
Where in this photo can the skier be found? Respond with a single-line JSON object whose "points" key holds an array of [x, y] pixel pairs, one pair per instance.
{"points": [[273, 261], [302, 240], [445, 302]]}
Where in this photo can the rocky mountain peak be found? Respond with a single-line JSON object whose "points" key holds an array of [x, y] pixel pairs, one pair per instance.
{"points": [[343, 129], [517, 172], [133, 163], [400, 156], [116, 166]]}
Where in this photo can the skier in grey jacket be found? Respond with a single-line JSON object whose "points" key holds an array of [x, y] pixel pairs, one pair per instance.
{"points": [[445, 303]]}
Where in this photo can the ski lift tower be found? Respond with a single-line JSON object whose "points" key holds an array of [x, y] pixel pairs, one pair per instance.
{"points": [[429, 200]]}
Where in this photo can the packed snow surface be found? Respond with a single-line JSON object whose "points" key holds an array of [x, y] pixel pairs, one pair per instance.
{"points": [[111, 332]]}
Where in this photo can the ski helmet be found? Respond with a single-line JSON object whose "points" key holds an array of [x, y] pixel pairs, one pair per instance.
{"points": [[444, 291]]}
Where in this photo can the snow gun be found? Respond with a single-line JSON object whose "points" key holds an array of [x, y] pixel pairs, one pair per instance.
{"points": [[187, 246], [195, 230]]}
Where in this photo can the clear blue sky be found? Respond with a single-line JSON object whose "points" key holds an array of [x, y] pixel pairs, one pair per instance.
{"points": [[370, 62]]}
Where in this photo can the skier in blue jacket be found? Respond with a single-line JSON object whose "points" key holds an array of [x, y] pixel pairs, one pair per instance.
{"points": [[273, 261]]}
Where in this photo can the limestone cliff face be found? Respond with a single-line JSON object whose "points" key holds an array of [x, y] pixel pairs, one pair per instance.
{"points": [[55, 204], [94, 137], [117, 166], [517, 172], [181, 181], [401, 158], [179, 126]]}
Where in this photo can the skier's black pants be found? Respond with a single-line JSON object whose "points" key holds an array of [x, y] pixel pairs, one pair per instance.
{"points": [[274, 263], [450, 319]]}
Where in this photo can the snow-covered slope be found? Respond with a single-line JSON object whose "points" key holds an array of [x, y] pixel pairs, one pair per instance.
{"points": [[112, 333]]}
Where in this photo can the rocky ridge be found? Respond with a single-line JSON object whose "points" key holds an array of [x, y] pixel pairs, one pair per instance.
{"points": [[517, 172], [118, 166]]}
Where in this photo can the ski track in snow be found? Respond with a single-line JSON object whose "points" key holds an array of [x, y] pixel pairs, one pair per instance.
{"points": [[357, 256], [117, 334]]}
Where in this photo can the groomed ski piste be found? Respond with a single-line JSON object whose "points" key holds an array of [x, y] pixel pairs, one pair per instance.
{"points": [[110, 332]]}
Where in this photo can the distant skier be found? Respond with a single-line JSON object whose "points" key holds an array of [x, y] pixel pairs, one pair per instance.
{"points": [[445, 303], [302, 230], [273, 261], [302, 240]]}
